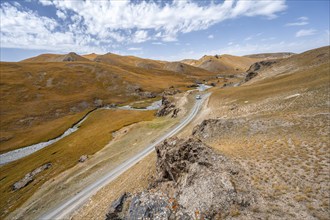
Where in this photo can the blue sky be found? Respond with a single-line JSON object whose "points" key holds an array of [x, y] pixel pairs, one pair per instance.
{"points": [[165, 30]]}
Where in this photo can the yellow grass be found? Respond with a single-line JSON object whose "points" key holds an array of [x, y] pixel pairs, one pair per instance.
{"points": [[93, 135], [35, 96]]}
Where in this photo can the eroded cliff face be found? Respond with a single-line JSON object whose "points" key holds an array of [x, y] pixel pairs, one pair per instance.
{"points": [[192, 181]]}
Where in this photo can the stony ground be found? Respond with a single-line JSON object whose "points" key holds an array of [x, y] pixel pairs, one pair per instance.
{"points": [[278, 127]]}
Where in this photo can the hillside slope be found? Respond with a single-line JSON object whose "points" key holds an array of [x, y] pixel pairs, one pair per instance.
{"points": [[132, 61], [303, 61], [57, 58], [278, 127], [90, 56], [223, 64], [37, 97], [268, 56], [118, 60]]}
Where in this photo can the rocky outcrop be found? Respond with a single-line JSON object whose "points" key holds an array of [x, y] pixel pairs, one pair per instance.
{"points": [[192, 182], [83, 158], [175, 113], [117, 207], [138, 91], [29, 177], [256, 67], [250, 76], [171, 91], [167, 108]]}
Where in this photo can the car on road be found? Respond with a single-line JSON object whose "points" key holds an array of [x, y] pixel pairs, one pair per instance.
{"points": [[198, 97]]}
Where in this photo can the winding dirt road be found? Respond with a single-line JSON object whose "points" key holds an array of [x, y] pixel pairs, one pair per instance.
{"points": [[65, 209]]}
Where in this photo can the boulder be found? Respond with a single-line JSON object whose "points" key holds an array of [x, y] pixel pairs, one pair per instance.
{"points": [[117, 207], [83, 158], [29, 177]]}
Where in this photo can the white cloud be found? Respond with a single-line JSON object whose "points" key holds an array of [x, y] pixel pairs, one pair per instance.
{"points": [[301, 21], [282, 46], [169, 20], [92, 24], [297, 23], [210, 36], [61, 14], [157, 43], [230, 43], [303, 18], [27, 30], [305, 32], [140, 36], [297, 46], [134, 48]]}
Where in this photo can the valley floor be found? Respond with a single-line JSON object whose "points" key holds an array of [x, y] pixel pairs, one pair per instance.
{"points": [[126, 143]]}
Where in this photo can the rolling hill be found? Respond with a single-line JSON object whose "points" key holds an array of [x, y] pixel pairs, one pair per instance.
{"points": [[56, 58], [90, 56], [268, 56], [223, 64], [302, 61], [118, 60], [277, 125], [36, 97]]}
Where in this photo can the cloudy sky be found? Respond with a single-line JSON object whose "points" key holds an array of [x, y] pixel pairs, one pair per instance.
{"points": [[166, 30]]}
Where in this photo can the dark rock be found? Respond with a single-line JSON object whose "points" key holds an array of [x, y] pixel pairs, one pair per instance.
{"points": [[192, 86], [175, 113], [29, 177], [166, 108], [250, 76], [149, 206], [116, 207], [174, 157]]}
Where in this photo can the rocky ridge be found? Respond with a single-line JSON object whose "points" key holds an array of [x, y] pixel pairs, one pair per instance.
{"points": [[191, 182]]}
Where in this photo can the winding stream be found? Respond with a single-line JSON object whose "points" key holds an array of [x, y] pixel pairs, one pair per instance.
{"points": [[25, 151]]}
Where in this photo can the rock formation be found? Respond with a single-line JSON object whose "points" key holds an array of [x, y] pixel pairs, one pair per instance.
{"points": [[255, 68], [167, 108], [29, 177], [192, 182]]}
